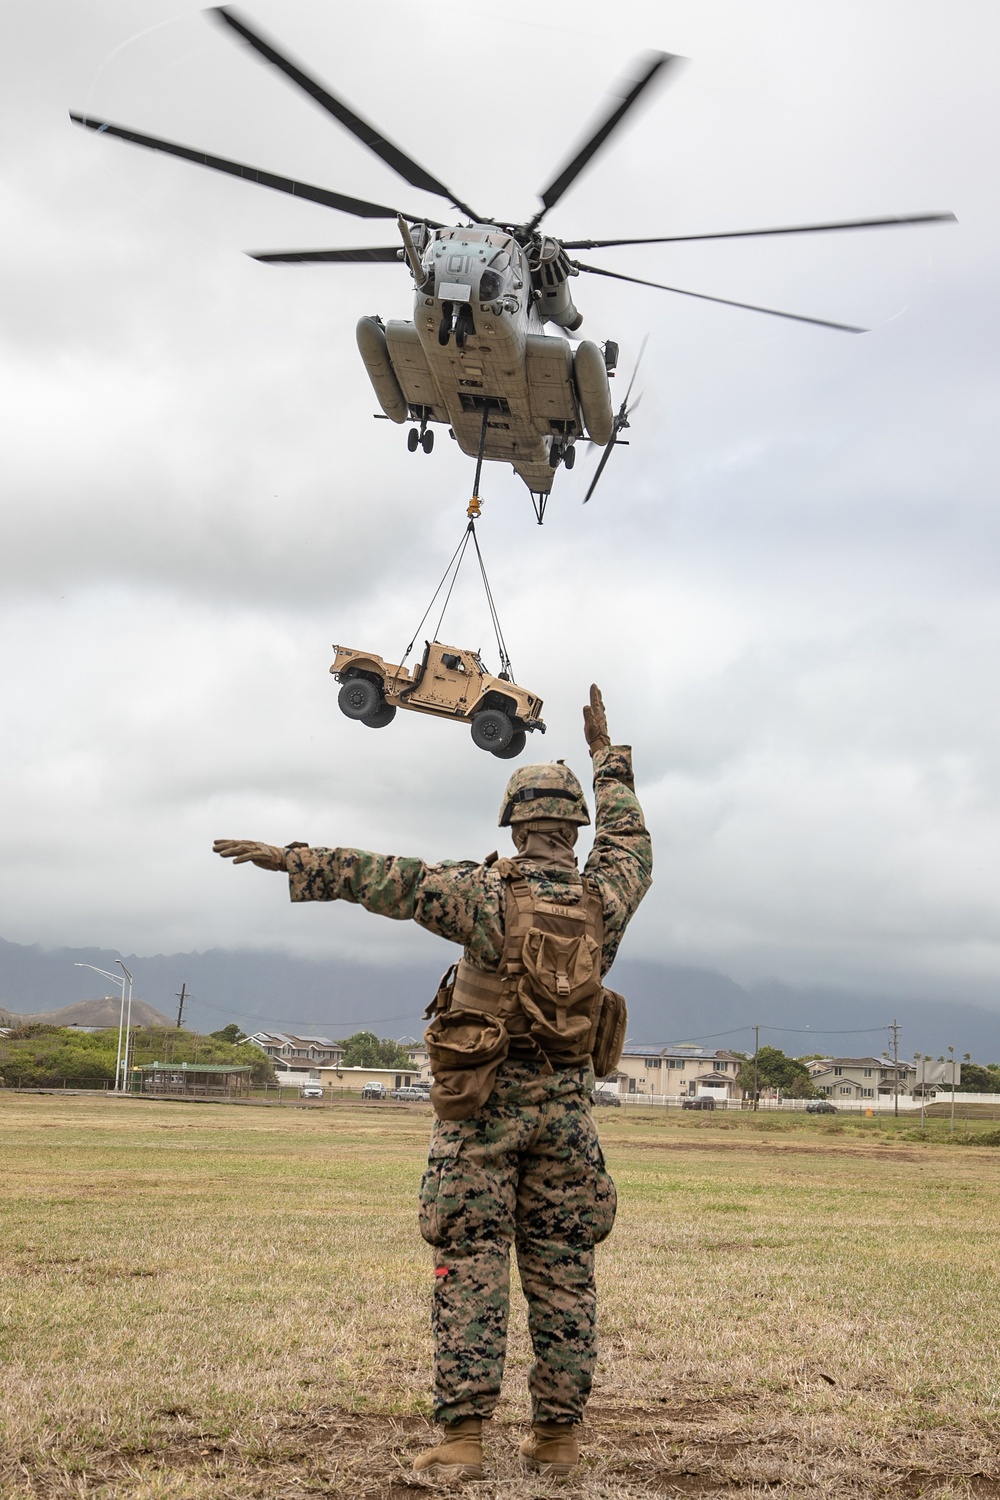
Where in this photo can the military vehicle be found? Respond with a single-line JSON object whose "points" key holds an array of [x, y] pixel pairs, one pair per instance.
{"points": [[449, 682], [475, 357]]}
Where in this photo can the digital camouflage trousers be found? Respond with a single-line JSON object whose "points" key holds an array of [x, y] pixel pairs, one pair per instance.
{"points": [[527, 1169]]}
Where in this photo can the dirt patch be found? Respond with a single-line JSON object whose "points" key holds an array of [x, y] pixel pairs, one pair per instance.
{"points": [[715, 1446]]}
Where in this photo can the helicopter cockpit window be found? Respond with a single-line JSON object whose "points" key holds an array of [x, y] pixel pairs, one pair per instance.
{"points": [[494, 278]]}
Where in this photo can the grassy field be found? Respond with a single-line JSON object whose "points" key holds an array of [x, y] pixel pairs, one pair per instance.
{"points": [[221, 1302]]}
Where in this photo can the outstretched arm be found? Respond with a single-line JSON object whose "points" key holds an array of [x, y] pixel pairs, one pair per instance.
{"points": [[454, 899]]}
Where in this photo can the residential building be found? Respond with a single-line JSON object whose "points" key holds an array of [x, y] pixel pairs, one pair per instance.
{"points": [[298, 1054], [677, 1072], [420, 1058], [846, 1078]]}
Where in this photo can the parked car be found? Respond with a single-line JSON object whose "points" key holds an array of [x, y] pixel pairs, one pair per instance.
{"points": [[374, 1091], [608, 1096], [820, 1107], [412, 1093], [311, 1091], [704, 1101]]}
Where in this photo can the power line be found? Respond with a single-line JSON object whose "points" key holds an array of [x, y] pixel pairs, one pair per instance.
{"points": [[815, 1030], [789, 1031], [227, 1010]]}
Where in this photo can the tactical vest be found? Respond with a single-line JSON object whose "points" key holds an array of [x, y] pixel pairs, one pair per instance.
{"points": [[544, 1002]]}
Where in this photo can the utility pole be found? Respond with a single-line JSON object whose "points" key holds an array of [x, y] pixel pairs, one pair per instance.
{"points": [[951, 1054], [921, 1058], [756, 1049], [894, 1028], [180, 1008]]}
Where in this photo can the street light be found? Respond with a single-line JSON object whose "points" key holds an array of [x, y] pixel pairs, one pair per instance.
{"points": [[118, 979], [128, 1016]]}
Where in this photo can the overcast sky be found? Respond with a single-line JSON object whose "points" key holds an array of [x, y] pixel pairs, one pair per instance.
{"points": [[786, 585]]}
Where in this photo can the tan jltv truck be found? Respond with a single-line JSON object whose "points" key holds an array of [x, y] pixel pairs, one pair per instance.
{"points": [[451, 683]]}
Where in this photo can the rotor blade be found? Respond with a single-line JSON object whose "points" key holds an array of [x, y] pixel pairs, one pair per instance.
{"points": [[772, 312], [744, 234], [357, 206], [650, 67], [603, 463], [411, 171], [635, 371], [372, 253]]}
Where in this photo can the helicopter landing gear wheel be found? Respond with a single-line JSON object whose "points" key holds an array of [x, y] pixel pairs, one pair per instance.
{"points": [[517, 744], [554, 456], [463, 325], [492, 730], [444, 327], [412, 439], [427, 441], [569, 457]]}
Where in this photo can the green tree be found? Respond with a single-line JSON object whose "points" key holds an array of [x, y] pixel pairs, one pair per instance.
{"points": [[39, 1055], [976, 1079], [45, 1055], [231, 1033], [365, 1050], [776, 1071]]}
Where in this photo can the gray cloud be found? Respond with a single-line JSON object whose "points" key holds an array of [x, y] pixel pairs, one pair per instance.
{"points": [[786, 584]]}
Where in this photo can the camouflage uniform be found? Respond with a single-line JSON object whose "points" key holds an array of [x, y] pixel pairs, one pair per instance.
{"points": [[527, 1167]]}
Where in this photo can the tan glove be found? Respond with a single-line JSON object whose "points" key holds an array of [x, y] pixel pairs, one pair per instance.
{"points": [[242, 851], [595, 722]]}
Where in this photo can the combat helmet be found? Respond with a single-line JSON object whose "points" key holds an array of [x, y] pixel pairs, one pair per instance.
{"points": [[549, 791]]}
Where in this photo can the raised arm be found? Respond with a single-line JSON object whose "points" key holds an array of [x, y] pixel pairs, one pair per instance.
{"points": [[621, 860]]}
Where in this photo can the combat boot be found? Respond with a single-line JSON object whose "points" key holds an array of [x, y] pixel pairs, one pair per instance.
{"points": [[550, 1448], [459, 1455]]}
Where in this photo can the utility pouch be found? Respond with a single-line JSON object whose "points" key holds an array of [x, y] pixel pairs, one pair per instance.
{"points": [[558, 988], [466, 1049], [443, 994], [612, 1019]]}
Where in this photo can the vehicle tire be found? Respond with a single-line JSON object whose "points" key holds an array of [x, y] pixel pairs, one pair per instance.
{"points": [[381, 716], [358, 698], [569, 457], [412, 439], [554, 456], [444, 330], [492, 730], [518, 741], [427, 442]]}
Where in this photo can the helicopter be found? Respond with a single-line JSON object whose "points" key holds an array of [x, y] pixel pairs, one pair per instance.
{"points": [[475, 357]]}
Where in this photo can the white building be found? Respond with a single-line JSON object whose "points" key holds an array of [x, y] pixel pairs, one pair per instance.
{"points": [[660, 1072]]}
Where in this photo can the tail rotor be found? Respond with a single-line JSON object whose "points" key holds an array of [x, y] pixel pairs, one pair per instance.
{"points": [[621, 423]]}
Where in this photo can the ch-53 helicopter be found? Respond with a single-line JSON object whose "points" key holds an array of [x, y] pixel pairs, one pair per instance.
{"points": [[475, 356]]}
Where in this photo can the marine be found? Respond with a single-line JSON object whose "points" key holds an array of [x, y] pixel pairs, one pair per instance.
{"points": [[514, 1156]]}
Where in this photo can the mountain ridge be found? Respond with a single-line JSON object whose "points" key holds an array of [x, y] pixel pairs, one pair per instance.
{"points": [[269, 989]]}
